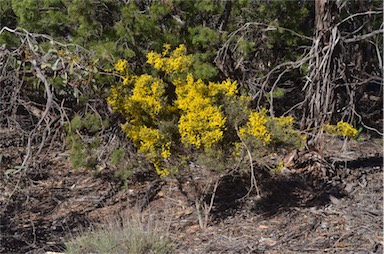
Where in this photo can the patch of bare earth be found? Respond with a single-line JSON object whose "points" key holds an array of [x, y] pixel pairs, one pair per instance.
{"points": [[341, 213]]}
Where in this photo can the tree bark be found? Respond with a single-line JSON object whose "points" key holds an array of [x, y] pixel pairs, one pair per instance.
{"points": [[325, 70]]}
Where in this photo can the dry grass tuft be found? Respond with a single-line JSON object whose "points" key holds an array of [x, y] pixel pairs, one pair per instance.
{"points": [[132, 232]]}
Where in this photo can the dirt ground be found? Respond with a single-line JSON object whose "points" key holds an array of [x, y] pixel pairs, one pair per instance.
{"points": [[341, 212]]}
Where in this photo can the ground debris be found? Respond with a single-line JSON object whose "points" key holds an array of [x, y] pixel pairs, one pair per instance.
{"points": [[44, 205]]}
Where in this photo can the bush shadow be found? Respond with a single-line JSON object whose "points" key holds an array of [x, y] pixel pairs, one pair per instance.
{"points": [[280, 192]]}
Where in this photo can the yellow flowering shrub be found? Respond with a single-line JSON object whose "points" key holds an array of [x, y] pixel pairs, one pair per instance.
{"points": [[256, 127], [166, 115], [343, 129], [201, 122], [121, 66], [226, 87], [283, 132], [175, 62], [203, 128], [146, 96], [284, 121], [273, 131], [145, 138], [166, 150]]}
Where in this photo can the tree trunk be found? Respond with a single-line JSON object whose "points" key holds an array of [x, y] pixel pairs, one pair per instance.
{"points": [[325, 69]]}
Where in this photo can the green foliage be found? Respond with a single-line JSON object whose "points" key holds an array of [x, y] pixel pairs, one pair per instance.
{"points": [[91, 123], [117, 155], [295, 15], [129, 167], [203, 69], [46, 17], [83, 152], [245, 47], [124, 174], [7, 16], [216, 159], [128, 29], [125, 168], [204, 37], [278, 93]]}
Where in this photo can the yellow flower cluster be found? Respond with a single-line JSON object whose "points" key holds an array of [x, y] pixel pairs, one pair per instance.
{"points": [[202, 122], [226, 87], [116, 98], [342, 128], [284, 121], [121, 66], [141, 99], [146, 139], [176, 62], [203, 128], [161, 171], [282, 131], [272, 130], [147, 96], [166, 150], [256, 127]]}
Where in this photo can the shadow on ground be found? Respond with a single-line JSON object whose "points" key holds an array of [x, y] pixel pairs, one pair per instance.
{"points": [[280, 193]]}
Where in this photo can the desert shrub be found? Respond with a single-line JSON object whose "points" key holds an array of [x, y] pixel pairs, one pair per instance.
{"points": [[170, 114]]}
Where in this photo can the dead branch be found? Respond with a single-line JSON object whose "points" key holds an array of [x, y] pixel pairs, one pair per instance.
{"points": [[29, 61]]}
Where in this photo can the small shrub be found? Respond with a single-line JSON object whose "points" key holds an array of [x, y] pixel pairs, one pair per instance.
{"points": [[82, 141], [117, 156]]}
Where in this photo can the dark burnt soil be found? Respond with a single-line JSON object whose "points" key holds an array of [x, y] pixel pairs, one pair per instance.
{"points": [[298, 212]]}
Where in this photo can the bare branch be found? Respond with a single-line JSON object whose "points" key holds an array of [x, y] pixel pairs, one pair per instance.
{"points": [[363, 37], [359, 14]]}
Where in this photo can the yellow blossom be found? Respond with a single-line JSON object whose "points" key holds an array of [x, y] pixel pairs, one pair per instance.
{"points": [[177, 62], [201, 123], [121, 66], [126, 81], [161, 171], [256, 127], [146, 96], [226, 87], [284, 121], [166, 47], [342, 128], [146, 139], [202, 128], [166, 150]]}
